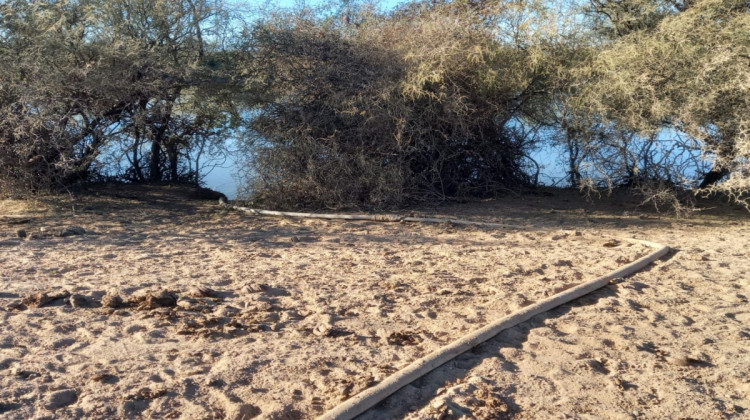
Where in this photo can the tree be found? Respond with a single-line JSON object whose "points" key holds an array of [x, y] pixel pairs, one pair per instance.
{"points": [[171, 57], [85, 73], [688, 72], [423, 104], [619, 18]]}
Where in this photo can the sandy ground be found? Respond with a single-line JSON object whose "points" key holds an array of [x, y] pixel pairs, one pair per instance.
{"points": [[143, 304]]}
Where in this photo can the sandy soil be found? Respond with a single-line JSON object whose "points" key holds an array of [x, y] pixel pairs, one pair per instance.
{"points": [[143, 304]]}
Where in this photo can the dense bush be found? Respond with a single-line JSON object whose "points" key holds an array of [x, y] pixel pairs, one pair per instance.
{"points": [[421, 105]]}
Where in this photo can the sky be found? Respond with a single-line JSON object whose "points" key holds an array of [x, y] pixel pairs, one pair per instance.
{"points": [[223, 179]]}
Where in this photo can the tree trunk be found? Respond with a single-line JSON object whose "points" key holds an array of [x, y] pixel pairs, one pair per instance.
{"points": [[574, 151], [713, 176], [172, 156], [136, 162], [154, 169]]}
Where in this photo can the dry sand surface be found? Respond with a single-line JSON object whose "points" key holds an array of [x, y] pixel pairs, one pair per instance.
{"points": [[144, 304]]}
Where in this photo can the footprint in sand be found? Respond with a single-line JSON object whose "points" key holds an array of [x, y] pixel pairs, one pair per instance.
{"points": [[62, 343]]}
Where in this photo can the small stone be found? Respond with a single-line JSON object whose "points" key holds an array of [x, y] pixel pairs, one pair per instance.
{"points": [[345, 388], [254, 288], [322, 330], [71, 231], [226, 311], [291, 315], [111, 301], [611, 244], [214, 381], [438, 403], [233, 331], [242, 411], [682, 359], [270, 317], [21, 233], [40, 299], [187, 303], [16, 305], [158, 299], [563, 263], [63, 342], [687, 321], [60, 399], [78, 301], [201, 291], [264, 306]]}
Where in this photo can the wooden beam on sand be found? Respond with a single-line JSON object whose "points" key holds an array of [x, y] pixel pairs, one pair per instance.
{"points": [[371, 217], [361, 402]]}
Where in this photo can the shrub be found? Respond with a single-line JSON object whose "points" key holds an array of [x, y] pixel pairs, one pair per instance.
{"points": [[420, 105]]}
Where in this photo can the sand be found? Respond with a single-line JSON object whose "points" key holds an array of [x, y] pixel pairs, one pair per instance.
{"points": [[144, 304]]}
